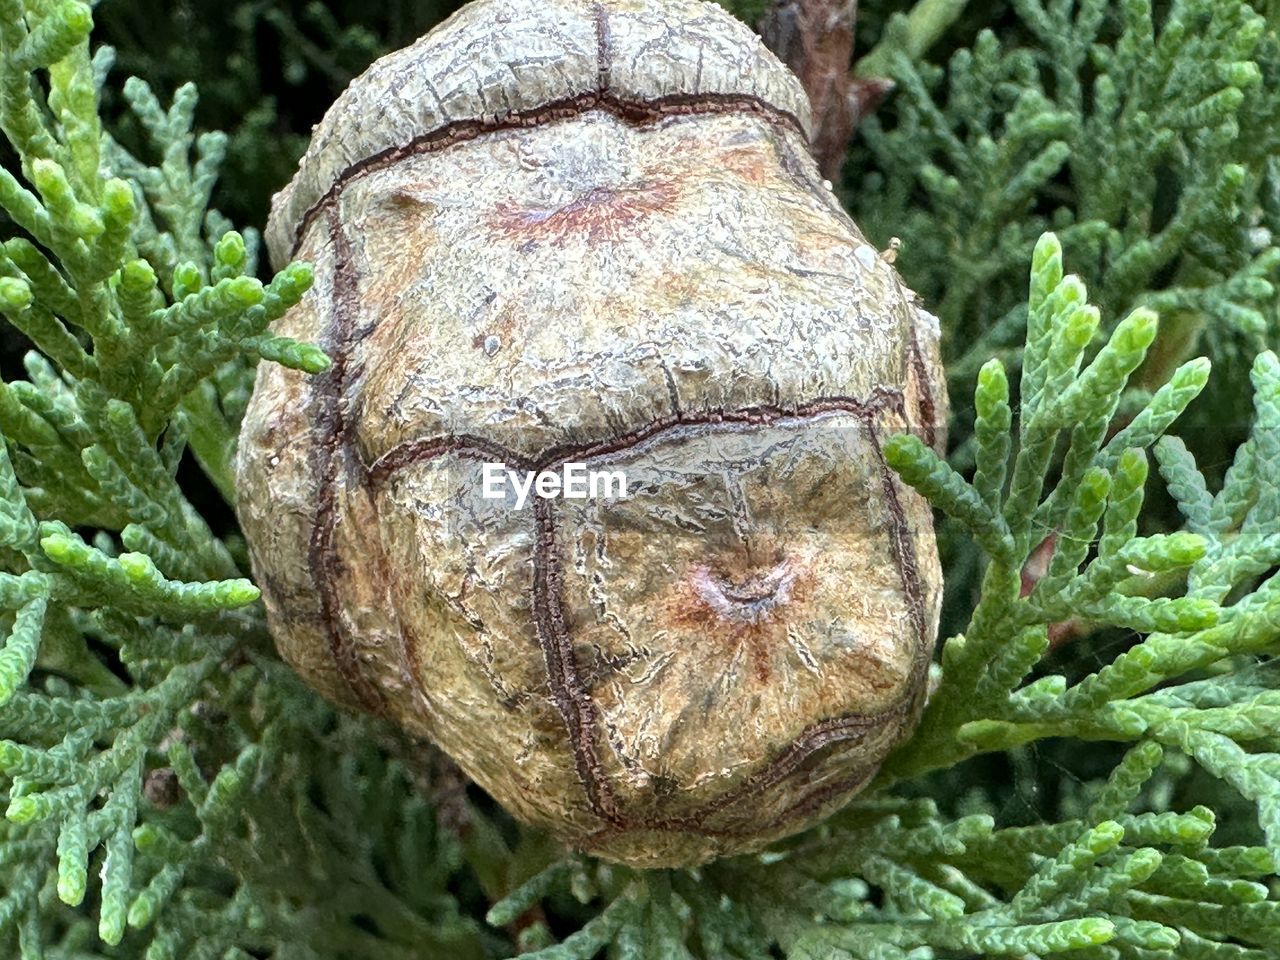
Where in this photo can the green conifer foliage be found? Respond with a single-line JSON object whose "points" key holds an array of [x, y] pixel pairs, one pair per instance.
{"points": [[170, 790], [1144, 134]]}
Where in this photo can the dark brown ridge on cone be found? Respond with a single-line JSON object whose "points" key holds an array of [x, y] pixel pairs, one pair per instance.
{"points": [[928, 406], [333, 456], [638, 113]]}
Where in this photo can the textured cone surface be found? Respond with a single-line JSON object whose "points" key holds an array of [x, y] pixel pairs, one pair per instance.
{"points": [[615, 251], [512, 61]]}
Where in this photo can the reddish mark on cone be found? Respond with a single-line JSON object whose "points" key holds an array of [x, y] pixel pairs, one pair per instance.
{"points": [[749, 612], [749, 164], [603, 214], [753, 601]]}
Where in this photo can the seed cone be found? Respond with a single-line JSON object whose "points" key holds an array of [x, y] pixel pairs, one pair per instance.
{"points": [[568, 232]]}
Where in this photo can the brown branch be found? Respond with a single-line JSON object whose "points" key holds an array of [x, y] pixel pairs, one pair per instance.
{"points": [[815, 39]]}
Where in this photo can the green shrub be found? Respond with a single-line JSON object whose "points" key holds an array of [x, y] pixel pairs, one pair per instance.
{"points": [[1096, 772]]}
